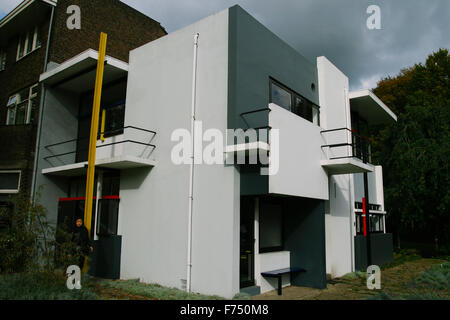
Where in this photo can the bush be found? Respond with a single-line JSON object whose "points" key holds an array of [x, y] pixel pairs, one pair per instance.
{"points": [[27, 239]]}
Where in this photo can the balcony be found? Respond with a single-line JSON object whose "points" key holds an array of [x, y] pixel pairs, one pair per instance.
{"points": [[132, 149], [346, 151]]}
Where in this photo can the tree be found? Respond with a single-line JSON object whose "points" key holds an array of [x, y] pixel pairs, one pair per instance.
{"points": [[415, 152]]}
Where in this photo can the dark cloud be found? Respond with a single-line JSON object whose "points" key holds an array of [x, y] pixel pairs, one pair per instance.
{"points": [[411, 29]]}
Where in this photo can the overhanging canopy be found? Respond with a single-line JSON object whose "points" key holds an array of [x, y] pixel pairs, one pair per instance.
{"points": [[371, 108], [78, 73]]}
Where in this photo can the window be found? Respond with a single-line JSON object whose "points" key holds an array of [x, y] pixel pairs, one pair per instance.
{"points": [[9, 181], [28, 43], [376, 223], [292, 101], [21, 106], [108, 217], [114, 119], [2, 60], [270, 227], [281, 97]]}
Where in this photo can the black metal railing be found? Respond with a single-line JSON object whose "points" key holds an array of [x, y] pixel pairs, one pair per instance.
{"points": [[258, 129], [78, 140], [360, 145]]}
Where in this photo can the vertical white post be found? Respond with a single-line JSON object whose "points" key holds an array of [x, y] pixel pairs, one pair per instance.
{"points": [[191, 175]]}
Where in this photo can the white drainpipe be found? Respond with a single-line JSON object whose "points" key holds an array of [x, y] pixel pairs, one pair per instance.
{"points": [[191, 177]]}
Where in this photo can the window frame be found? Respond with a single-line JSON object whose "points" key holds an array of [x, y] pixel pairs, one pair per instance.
{"points": [[294, 95], [12, 191], [18, 101], [24, 41]]}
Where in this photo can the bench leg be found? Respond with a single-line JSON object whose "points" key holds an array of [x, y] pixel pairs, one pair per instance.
{"points": [[280, 285]]}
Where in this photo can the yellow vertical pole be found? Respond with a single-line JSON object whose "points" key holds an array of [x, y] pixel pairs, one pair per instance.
{"points": [[102, 133], [93, 137]]}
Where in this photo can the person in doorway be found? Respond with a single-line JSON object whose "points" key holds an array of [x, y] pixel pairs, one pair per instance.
{"points": [[82, 243]]}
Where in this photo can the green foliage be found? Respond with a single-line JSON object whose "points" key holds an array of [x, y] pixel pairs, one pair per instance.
{"points": [[433, 284], [242, 296], [27, 241], [155, 291], [438, 277], [402, 256], [415, 152], [40, 286]]}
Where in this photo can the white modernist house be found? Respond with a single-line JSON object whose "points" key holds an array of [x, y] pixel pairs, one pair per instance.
{"points": [[218, 228]]}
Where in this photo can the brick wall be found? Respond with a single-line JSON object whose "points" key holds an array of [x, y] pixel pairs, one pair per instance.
{"points": [[127, 29]]}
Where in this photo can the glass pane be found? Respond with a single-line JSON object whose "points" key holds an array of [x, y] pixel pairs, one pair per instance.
{"points": [[23, 95], [281, 97], [2, 60], [316, 116], [9, 181], [11, 116], [21, 47], [108, 217], [33, 105], [38, 39], [29, 42], [21, 113], [115, 120], [270, 226]]}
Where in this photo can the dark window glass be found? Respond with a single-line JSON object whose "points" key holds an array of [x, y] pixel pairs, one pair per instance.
{"points": [[281, 96], [293, 102], [114, 121], [21, 112], [108, 217], [9, 180], [270, 227]]}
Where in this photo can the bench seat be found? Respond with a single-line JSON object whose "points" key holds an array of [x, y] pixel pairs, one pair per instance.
{"points": [[279, 274]]}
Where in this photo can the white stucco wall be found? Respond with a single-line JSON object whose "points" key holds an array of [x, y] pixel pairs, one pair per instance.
{"points": [[300, 172], [154, 204], [335, 114]]}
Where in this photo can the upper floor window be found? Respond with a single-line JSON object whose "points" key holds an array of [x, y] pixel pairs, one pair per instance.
{"points": [[2, 60], [21, 106], [292, 101], [28, 43]]}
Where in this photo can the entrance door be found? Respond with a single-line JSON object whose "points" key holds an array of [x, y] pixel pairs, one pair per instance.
{"points": [[247, 243]]}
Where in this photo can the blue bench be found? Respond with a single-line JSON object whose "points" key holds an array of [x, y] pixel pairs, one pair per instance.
{"points": [[279, 274]]}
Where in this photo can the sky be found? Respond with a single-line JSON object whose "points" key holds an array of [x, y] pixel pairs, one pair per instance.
{"points": [[410, 29]]}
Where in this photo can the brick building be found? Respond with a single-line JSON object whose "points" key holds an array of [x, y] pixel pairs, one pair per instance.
{"points": [[35, 38]]}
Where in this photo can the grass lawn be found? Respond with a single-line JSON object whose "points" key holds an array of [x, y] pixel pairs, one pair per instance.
{"points": [[408, 277]]}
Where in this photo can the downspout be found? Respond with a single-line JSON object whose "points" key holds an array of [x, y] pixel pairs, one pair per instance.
{"points": [[41, 111], [191, 176]]}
